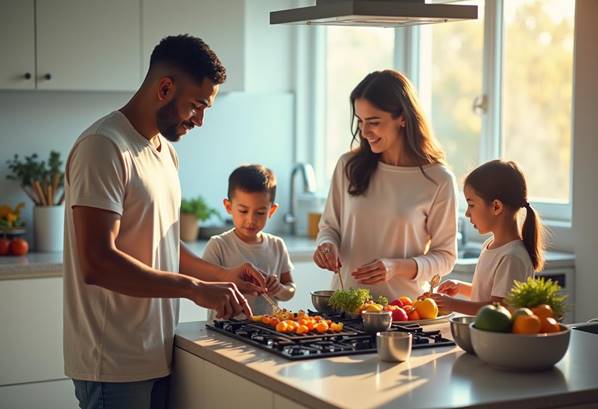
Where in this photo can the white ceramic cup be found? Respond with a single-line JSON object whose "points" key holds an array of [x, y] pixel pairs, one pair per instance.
{"points": [[394, 346]]}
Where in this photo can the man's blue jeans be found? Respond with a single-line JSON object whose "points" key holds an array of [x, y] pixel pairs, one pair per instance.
{"points": [[150, 394]]}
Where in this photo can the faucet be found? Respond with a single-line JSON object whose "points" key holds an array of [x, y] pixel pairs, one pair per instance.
{"points": [[308, 177]]}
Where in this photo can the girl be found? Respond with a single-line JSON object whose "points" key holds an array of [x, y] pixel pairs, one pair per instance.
{"points": [[390, 221], [495, 194]]}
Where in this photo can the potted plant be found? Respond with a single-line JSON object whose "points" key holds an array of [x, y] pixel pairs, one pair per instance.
{"points": [[43, 182], [193, 211]]}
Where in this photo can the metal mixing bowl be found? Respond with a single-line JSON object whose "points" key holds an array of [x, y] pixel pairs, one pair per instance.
{"points": [[376, 321], [394, 346], [461, 333], [320, 301]]}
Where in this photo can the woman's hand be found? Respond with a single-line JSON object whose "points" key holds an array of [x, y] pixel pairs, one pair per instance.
{"points": [[273, 285], [326, 257], [444, 302], [377, 271], [449, 287]]}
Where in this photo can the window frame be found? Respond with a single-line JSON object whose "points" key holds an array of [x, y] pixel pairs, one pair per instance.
{"points": [[407, 59]]}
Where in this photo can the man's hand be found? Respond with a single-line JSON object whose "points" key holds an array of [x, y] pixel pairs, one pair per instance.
{"points": [[377, 271], [224, 298], [248, 278], [274, 285], [326, 257]]}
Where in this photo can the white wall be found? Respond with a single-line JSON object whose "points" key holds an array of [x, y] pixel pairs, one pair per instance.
{"points": [[239, 128], [585, 164]]}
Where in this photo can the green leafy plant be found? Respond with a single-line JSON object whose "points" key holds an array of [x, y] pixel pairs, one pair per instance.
{"points": [[350, 300], [536, 291], [382, 300], [42, 181], [199, 208]]}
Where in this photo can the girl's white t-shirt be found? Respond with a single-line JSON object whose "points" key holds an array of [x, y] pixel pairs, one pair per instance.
{"points": [[498, 268]]}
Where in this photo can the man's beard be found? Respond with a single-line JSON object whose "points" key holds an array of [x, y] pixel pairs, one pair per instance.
{"points": [[167, 120]]}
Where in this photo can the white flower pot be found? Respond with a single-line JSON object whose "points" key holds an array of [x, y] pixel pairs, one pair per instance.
{"points": [[48, 228]]}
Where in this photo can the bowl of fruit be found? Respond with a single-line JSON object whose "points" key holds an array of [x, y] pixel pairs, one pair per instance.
{"points": [[523, 338]]}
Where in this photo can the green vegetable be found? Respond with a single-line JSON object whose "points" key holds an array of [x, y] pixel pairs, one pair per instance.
{"points": [[349, 301], [382, 300], [537, 291]]}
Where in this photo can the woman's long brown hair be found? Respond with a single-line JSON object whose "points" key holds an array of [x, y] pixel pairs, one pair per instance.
{"points": [[504, 181], [390, 91]]}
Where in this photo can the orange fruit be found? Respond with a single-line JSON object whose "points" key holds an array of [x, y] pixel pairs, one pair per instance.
{"points": [[543, 311], [301, 329], [406, 300], [413, 315], [322, 327], [282, 326], [549, 325], [426, 308], [526, 324]]}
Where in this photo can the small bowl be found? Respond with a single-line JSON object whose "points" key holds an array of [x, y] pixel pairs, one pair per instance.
{"points": [[374, 322], [394, 346], [461, 333], [520, 352], [320, 301]]}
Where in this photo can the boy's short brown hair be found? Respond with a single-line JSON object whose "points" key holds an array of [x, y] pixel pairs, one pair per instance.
{"points": [[252, 179]]}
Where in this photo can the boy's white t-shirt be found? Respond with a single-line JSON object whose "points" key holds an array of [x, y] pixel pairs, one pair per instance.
{"points": [[271, 256], [498, 268], [108, 336]]}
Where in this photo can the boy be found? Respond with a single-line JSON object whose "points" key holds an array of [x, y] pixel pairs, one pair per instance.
{"points": [[250, 202]]}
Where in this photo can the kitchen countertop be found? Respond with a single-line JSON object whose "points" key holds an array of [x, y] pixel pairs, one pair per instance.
{"points": [[36, 265], [443, 377]]}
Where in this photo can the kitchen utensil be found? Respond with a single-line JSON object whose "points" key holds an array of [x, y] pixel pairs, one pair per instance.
{"points": [[394, 346], [460, 330], [434, 282], [340, 277], [320, 301], [374, 322], [275, 307]]}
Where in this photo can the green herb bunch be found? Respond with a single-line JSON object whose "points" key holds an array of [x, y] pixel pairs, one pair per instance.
{"points": [[199, 208], [536, 291], [350, 300]]}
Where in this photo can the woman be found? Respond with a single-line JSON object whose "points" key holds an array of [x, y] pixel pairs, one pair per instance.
{"points": [[390, 220]]}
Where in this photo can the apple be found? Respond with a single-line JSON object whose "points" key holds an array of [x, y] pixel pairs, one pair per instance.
{"points": [[399, 315], [4, 246], [397, 302]]}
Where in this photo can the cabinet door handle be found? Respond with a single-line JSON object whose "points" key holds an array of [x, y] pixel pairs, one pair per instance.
{"points": [[27, 75], [48, 77]]}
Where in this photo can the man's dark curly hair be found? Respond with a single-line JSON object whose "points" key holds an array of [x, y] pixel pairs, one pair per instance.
{"points": [[252, 179], [191, 55]]}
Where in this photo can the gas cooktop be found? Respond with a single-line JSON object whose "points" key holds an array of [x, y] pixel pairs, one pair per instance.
{"points": [[351, 341]]}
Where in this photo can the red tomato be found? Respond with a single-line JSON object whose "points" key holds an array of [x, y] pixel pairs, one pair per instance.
{"points": [[19, 247], [4, 246], [399, 315]]}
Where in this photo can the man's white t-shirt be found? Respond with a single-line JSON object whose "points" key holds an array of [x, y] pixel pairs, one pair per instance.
{"points": [[498, 268], [270, 256], [108, 336]]}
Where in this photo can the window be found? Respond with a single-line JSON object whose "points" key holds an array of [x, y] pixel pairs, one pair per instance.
{"points": [[497, 87], [536, 94], [351, 53]]}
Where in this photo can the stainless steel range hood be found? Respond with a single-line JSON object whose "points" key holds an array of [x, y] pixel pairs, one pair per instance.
{"points": [[384, 13]]}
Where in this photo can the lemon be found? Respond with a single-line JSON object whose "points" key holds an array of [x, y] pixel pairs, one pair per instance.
{"points": [[374, 308]]}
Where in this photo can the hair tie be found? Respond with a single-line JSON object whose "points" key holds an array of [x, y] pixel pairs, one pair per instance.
{"points": [[526, 205]]}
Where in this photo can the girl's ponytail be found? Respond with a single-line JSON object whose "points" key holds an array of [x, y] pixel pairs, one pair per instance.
{"points": [[533, 237]]}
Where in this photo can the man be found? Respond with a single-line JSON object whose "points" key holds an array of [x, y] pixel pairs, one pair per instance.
{"points": [[125, 266]]}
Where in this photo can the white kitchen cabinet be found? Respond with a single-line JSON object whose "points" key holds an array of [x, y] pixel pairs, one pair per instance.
{"points": [[221, 24], [17, 44], [71, 44], [31, 335], [47, 395], [197, 383]]}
